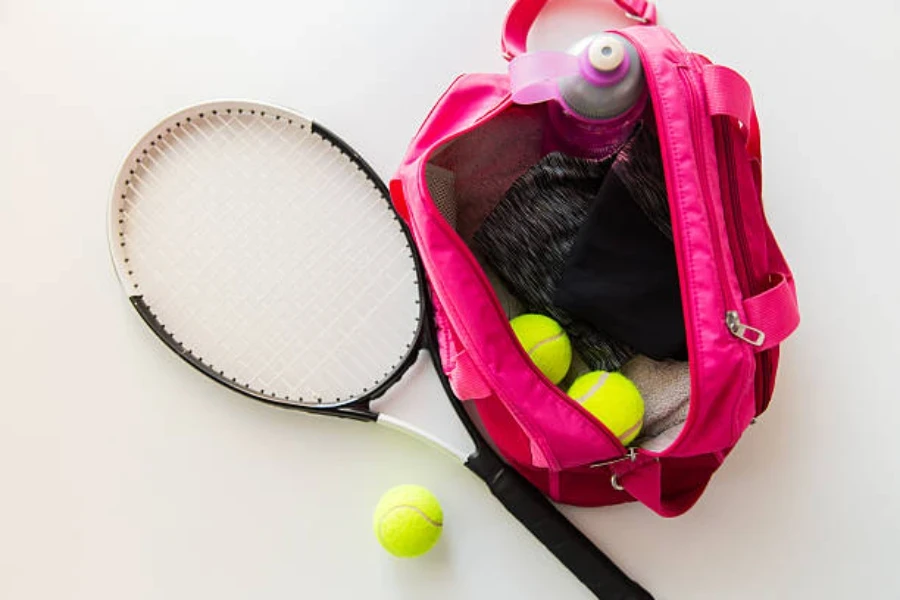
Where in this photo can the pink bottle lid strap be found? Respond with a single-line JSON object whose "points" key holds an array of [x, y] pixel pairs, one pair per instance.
{"points": [[533, 76]]}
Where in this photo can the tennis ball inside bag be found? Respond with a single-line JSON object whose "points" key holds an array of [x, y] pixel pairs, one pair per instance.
{"points": [[615, 188]]}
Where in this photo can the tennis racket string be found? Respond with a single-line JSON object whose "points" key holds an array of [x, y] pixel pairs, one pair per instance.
{"points": [[308, 293]]}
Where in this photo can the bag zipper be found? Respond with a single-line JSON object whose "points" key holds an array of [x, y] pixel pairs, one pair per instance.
{"points": [[735, 230], [630, 454], [732, 317], [738, 329], [680, 251], [747, 278]]}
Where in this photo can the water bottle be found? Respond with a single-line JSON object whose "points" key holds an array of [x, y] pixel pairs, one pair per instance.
{"points": [[595, 96]]}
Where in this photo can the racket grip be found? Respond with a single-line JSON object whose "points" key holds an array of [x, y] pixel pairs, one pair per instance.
{"points": [[591, 566]]}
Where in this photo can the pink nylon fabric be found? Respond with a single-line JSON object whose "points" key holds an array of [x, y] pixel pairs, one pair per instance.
{"points": [[537, 428], [774, 312], [461, 372]]}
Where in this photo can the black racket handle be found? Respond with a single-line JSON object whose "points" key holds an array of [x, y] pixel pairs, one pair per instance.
{"points": [[591, 566]]}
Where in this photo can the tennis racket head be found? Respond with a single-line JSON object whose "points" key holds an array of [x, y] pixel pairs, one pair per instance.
{"points": [[265, 252]]}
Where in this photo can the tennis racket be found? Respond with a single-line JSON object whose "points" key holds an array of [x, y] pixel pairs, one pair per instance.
{"points": [[265, 252]]}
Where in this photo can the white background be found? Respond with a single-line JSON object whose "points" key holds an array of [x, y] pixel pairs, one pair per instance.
{"points": [[125, 474]]}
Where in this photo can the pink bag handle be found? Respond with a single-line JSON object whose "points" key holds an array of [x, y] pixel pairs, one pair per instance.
{"points": [[524, 13], [775, 311], [728, 94]]}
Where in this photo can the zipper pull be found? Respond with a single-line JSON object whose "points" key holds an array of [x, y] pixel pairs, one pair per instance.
{"points": [[751, 335], [630, 454]]}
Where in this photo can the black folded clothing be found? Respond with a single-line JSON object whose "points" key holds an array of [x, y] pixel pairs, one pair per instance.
{"points": [[529, 235], [621, 275], [589, 243]]}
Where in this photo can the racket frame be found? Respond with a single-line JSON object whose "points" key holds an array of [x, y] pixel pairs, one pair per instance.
{"points": [[528, 504], [356, 407]]}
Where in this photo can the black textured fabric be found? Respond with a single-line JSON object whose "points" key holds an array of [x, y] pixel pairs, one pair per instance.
{"points": [[589, 243], [528, 237], [639, 165], [621, 275]]}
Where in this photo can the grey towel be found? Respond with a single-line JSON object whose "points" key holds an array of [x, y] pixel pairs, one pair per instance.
{"points": [[666, 389]]}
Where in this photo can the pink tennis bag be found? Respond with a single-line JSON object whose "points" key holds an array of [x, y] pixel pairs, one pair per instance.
{"points": [[737, 292]]}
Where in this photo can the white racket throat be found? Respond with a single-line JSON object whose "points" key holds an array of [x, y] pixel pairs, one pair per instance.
{"points": [[417, 405]]}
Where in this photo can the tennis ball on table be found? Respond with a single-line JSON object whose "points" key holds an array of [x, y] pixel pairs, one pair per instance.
{"points": [[408, 520], [546, 343], [614, 400]]}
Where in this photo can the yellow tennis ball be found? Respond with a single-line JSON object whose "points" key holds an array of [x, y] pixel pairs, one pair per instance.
{"points": [[614, 400], [546, 343], [408, 520]]}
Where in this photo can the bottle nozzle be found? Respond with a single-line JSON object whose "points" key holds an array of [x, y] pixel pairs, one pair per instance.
{"points": [[606, 53]]}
